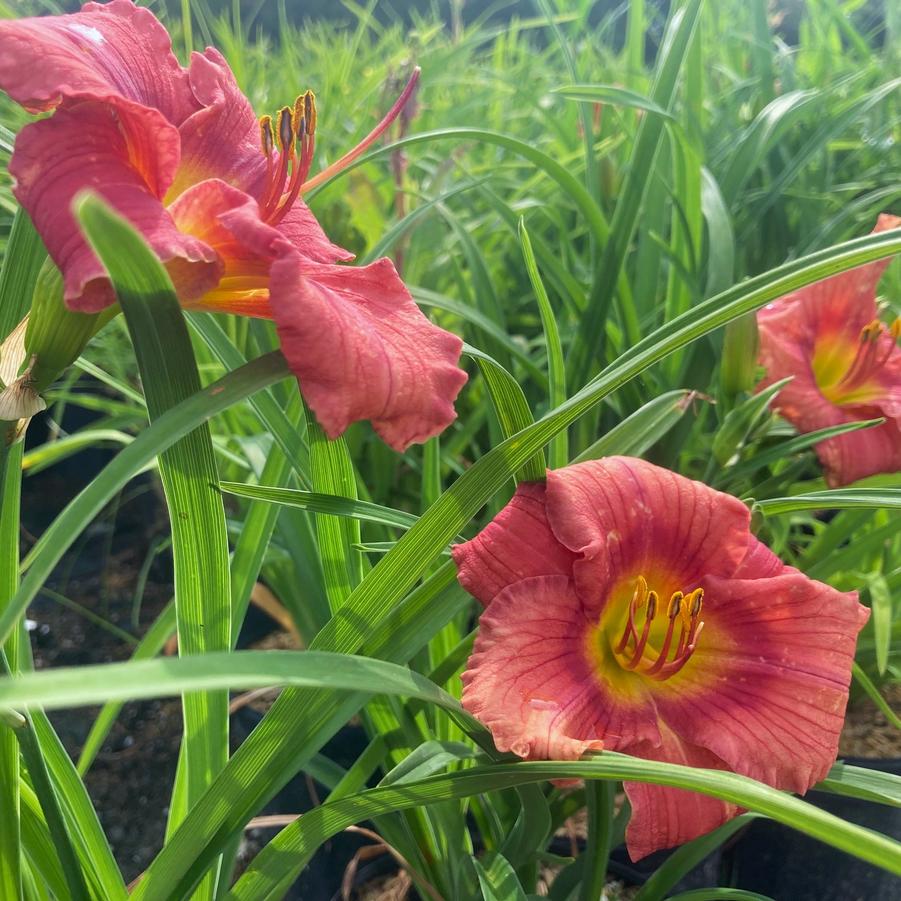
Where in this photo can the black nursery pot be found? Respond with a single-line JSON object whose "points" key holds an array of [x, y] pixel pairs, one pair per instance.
{"points": [[789, 866]]}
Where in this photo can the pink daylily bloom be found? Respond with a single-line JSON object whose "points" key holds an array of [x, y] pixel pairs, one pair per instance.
{"points": [[845, 364], [217, 194], [630, 608]]}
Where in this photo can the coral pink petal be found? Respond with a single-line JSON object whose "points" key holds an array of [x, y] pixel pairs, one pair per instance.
{"points": [[517, 544], [222, 138], [767, 687], [531, 682], [301, 228], [759, 562], [244, 285], [842, 303], [121, 156], [105, 52], [626, 518], [664, 817], [856, 455], [787, 340], [362, 349]]}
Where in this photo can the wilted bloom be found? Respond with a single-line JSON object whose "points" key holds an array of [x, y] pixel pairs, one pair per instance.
{"points": [[846, 367], [630, 608], [216, 193]]}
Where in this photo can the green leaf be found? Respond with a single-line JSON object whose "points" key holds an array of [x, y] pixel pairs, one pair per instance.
{"points": [[322, 503], [840, 499], [881, 607], [760, 458], [511, 406], [498, 880], [615, 96], [278, 864], [741, 420], [63, 687], [645, 427], [162, 433], [588, 344], [866, 683], [23, 257], [556, 367], [187, 468], [861, 782]]}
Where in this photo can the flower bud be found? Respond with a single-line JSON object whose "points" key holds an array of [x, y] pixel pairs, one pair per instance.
{"points": [[56, 335]]}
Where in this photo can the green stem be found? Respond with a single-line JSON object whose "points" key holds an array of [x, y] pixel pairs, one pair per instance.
{"points": [[599, 795], [40, 779]]}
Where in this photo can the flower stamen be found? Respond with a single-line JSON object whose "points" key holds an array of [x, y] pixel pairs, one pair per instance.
{"points": [[868, 360], [295, 137], [632, 647]]}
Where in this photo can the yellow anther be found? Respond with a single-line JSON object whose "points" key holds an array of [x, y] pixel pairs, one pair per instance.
{"points": [[309, 111], [286, 129], [895, 330], [871, 331], [675, 604], [267, 140], [652, 604], [697, 601]]}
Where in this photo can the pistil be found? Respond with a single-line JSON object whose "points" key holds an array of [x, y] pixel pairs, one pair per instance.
{"points": [[632, 648]]}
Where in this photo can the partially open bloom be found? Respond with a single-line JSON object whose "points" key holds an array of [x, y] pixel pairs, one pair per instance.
{"points": [[216, 193], [630, 608], [846, 367]]}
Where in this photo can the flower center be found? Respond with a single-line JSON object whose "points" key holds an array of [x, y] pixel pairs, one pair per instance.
{"points": [[838, 381], [295, 136], [634, 652]]}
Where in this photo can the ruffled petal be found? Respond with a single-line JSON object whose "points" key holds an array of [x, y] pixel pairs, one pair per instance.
{"points": [[759, 562], [110, 52], [626, 518], [301, 228], [767, 687], [122, 156], [362, 349], [517, 544], [664, 817], [531, 681], [222, 138], [841, 304]]}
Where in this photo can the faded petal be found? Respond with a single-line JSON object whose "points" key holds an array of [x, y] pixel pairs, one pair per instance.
{"points": [[531, 682], [517, 544], [124, 156], [767, 687], [362, 349], [110, 52], [626, 518], [664, 817]]}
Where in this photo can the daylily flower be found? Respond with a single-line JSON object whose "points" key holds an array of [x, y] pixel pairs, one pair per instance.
{"points": [[846, 367], [217, 194], [630, 608]]}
